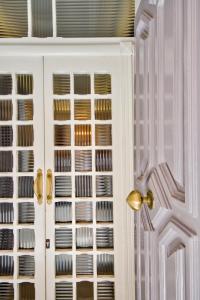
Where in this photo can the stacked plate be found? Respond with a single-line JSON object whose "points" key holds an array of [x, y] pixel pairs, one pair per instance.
{"points": [[26, 213], [25, 161], [103, 160], [103, 109], [103, 135], [6, 265], [104, 211], [6, 161], [63, 212], [63, 186], [62, 135], [105, 290], [6, 239], [6, 213], [84, 264], [6, 187], [25, 110], [24, 84], [25, 187], [102, 84], [82, 84], [83, 160], [5, 83], [64, 290], [83, 135], [26, 238], [62, 110], [105, 264], [6, 136], [26, 291], [61, 84], [62, 160], [6, 291], [25, 135], [63, 238], [83, 186], [84, 212], [84, 237], [6, 110], [26, 265], [82, 109], [104, 237], [63, 264], [104, 187]]}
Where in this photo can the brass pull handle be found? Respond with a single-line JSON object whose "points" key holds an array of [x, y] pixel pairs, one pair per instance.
{"points": [[38, 186], [136, 200], [49, 186]]}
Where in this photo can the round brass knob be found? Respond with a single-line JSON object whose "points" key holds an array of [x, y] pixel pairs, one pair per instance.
{"points": [[136, 200]]}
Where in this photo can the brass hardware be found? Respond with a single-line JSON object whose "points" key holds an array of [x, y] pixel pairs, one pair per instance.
{"points": [[136, 200], [38, 186], [49, 186]]}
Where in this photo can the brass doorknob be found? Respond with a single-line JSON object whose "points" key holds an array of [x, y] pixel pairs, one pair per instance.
{"points": [[49, 186], [38, 186], [136, 200]]}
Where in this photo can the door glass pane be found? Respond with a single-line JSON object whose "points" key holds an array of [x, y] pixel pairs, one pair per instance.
{"points": [[82, 84], [62, 110], [83, 186], [26, 266], [24, 84], [6, 84], [85, 290], [6, 291], [25, 110], [26, 291], [6, 110], [64, 290], [61, 84]]}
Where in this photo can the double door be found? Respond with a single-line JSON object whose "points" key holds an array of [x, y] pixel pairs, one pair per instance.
{"points": [[65, 170]]}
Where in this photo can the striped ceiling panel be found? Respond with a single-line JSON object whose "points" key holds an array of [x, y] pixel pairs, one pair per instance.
{"points": [[74, 18], [13, 18], [95, 18]]}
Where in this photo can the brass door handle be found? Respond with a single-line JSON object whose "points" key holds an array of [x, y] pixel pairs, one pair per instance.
{"points": [[136, 200], [49, 186], [38, 186]]}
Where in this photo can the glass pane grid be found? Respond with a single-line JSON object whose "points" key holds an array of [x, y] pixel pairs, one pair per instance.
{"points": [[17, 215], [90, 216]]}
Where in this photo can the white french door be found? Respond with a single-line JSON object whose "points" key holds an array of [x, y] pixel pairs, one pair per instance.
{"points": [[22, 218], [69, 119], [84, 221]]}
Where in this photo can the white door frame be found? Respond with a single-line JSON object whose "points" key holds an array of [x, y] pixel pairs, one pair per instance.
{"points": [[122, 48]]}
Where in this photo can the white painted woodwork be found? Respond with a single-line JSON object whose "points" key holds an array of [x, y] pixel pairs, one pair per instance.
{"points": [[34, 66], [166, 156], [42, 58], [120, 70]]}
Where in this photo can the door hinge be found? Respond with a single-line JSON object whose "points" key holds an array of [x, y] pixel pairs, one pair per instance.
{"points": [[47, 243]]}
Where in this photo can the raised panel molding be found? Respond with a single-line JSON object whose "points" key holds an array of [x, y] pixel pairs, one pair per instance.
{"points": [[165, 188], [175, 236], [171, 230]]}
